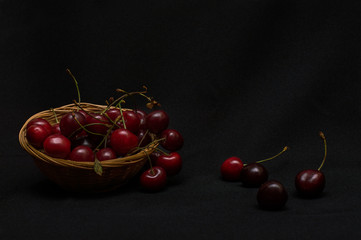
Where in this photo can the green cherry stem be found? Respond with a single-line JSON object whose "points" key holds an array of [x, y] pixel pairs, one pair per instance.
{"points": [[119, 105], [325, 153], [56, 117], [76, 83], [278, 154]]}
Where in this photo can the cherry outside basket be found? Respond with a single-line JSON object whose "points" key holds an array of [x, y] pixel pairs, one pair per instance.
{"points": [[80, 176]]}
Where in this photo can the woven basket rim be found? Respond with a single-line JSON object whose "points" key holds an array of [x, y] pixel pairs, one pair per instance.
{"points": [[113, 163]]}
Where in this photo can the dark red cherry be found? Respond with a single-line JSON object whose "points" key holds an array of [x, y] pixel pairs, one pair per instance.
{"points": [[173, 140], [154, 179], [231, 169], [142, 117], [55, 129], [310, 183], [272, 195], [157, 121], [36, 135], [123, 141], [154, 156], [42, 122], [57, 146], [131, 120], [98, 124], [69, 123], [106, 154], [144, 138], [85, 114], [113, 113], [253, 175], [82, 154], [171, 163], [83, 140]]}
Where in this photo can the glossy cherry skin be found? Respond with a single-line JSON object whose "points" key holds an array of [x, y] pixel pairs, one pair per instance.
{"points": [[154, 179], [57, 146], [131, 120], [69, 123], [310, 183], [231, 169], [99, 122], [173, 140], [106, 154], [42, 122], [154, 156], [123, 141], [83, 140], [36, 135], [143, 139], [253, 175], [55, 129], [85, 114], [113, 113], [142, 118], [157, 121], [272, 195], [82, 154], [171, 163]]}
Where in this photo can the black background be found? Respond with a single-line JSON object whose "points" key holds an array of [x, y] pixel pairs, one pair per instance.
{"points": [[241, 78]]}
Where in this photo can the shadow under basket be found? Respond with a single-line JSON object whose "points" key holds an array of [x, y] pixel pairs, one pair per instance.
{"points": [[80, 176]]}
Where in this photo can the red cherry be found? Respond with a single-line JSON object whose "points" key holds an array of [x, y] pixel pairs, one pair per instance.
{"points": [[99, 122], [55, 129], [106, 154], [310, 182], [57, 146], [85, 114], [171, 163], [253, 175], [69, 123], [42, 122], [83, 140], [36, 135], [143, 139], [173, 140], [131, 120], [82, 154], [113, 113], [154, 179], [231, 169], [272, 195], [123, 141], [154, 156], [157, 121], [142, 117]]}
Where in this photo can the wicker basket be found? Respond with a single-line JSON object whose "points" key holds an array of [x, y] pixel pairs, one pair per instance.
{"points": [[80, 176]]}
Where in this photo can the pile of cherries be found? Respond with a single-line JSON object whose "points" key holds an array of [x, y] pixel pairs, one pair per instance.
{"points": [[272, 195], [84, 136]]}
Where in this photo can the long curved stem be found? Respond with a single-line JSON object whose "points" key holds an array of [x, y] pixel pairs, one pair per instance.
{"points": [[325, 153], [267, 159], [76, 83]]}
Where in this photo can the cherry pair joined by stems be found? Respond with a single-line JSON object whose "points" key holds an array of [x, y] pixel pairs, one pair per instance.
{"points": [[251, 175]]}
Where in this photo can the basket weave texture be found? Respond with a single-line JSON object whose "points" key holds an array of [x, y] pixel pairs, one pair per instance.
{"points": [[80, 176]]}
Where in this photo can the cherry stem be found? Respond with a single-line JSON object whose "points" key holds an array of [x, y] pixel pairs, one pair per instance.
{"points": [[267, 159], [325, 154], [76, 83], [56, 117], [141, 140], [161, 151], [151, 165], [121, 114]]}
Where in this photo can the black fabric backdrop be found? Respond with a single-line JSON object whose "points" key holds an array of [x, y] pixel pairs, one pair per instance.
{"points": [[241, 78]]}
